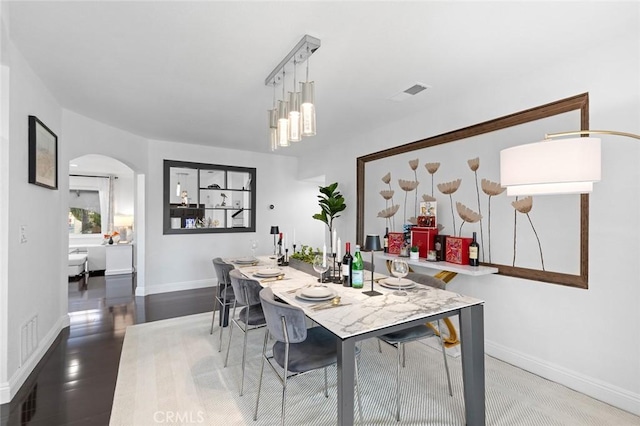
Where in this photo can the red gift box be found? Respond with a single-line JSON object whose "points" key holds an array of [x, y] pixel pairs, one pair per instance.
{"points": [[457, 250], [396, 241], [424, 238]]}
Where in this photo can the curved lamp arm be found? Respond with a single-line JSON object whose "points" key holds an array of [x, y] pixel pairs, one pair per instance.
{"points": [[591, 132]]}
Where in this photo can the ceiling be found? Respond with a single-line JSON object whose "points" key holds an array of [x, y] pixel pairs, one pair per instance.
{"points": [[194, 71]]}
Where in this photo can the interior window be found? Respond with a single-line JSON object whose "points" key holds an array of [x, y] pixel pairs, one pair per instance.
{"points": [[84, 212]]}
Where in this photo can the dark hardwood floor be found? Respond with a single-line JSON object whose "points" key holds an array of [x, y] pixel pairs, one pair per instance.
{"points": [[74, 382]]}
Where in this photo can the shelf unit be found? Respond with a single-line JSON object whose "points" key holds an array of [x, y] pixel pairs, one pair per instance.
{"points": [[212, 198]]}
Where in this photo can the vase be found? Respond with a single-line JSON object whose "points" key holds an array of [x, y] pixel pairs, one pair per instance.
{"points": [[110, 240], [414, 255]]}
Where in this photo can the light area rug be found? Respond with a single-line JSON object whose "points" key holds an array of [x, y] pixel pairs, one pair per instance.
{"points": [[172, 373]]}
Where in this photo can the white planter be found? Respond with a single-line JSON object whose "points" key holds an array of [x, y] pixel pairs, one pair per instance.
{"points": [[414, 255]]}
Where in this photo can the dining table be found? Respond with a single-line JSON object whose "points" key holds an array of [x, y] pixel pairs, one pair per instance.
{"points": [[356, 316]]}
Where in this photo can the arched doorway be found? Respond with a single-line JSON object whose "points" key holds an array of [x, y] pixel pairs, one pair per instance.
{"points": [[101, 225]]}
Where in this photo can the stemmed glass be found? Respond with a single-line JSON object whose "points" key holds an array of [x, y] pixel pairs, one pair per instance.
{"points": [[320, 265], [254, 246], [399, 268]]}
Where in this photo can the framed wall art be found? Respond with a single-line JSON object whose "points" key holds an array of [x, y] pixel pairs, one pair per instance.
{"points": [[43, 155], [537, 238]]}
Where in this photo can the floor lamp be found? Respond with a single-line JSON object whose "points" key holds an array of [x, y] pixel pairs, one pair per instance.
{"points": [[372, 244]]}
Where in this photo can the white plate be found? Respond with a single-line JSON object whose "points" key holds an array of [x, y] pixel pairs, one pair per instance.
{"points": [[316, 292], [245, 261], [268, 273], [393, 283], [314, 299]]}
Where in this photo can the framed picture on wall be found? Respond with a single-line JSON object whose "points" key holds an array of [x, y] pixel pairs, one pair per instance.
{"points": [[43, 155]]}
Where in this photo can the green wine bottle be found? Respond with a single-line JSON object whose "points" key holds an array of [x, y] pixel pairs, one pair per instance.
{"points": [[357, 269]]}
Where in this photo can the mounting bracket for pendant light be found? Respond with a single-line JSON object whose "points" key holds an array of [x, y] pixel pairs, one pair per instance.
{"points": [[304, 49]]}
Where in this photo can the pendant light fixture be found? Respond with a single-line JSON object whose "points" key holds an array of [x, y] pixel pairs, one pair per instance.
{"points": [[307, 108], [283, 118], [273, 122], [295, 116], [295, 123]]}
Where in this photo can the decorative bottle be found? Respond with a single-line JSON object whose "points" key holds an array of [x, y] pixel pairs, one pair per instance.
{"points": [[473, 251], [386, 240], [357, 270], [347, 260]]}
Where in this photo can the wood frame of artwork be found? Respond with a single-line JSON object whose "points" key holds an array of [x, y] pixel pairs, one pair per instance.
{"points": [[575, 103]]}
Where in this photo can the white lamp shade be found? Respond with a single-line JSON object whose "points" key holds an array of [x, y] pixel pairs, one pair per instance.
{"points": [[561, 166]]}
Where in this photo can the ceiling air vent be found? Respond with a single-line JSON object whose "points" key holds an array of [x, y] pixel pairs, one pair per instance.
{"points": [[409, 92]]}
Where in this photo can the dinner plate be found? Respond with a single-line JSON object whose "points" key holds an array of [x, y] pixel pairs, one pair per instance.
{"points": [[245, 261], [329, 296], [268, 273], [316, 292], [393, 283]]}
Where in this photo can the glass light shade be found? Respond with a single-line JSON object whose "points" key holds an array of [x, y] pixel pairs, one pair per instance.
{"points": [[561, 166], [178, 189], [273, 128], [295, 124], [308, 109], [283, 123]]}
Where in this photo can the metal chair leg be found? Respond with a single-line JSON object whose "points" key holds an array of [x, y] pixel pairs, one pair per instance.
{"points": [[446, 364], [404, 356], [264, 355], [223, 309], [244, 351], [326, 386], [231, 322]]}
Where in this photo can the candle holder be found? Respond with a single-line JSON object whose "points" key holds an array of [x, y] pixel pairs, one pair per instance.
{"points": [[338, 278], [335, 272], [285, 261], [294, 248]]}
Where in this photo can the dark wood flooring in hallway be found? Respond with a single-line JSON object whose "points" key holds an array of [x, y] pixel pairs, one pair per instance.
{"points": [[74, 382]]}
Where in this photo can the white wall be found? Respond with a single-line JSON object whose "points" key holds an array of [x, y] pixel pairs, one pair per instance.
{"points": [[586, 339], [38, 209], [179, 261]]}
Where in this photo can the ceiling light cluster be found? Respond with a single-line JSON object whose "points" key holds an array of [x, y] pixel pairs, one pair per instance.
{"points": [[293, 116]]}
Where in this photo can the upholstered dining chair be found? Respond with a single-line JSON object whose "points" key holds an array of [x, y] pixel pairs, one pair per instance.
{"points": [[297, 349], [400, 338], [224, 295], [246, 293]]}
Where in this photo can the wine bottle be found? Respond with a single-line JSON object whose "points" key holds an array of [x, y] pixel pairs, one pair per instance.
{"points": [[473, 251], [357, 270], [386, 240], [347, 260]]}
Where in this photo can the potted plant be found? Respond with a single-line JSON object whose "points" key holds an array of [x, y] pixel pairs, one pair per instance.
{"points": [[414, 254], [331, 203], [303, 259]]}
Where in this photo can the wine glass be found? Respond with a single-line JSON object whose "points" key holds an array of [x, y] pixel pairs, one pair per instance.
{"points": [[400, 269], [254, 246], [320, 265]]}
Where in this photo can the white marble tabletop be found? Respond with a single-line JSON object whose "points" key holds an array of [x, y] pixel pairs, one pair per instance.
{"points": [[357, 312]]}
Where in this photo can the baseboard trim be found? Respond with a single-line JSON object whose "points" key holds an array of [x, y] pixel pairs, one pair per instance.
{"points": [[10, 388], [602, 391], [178, 286]]}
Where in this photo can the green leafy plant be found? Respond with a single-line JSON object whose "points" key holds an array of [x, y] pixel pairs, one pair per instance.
{"points": [[306, 254], [331, 203], [414, 249]]}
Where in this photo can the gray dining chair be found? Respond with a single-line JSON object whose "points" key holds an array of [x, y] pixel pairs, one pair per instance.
{"points": [[297, 349], [251, 317], [398, 339], [224, 295]]}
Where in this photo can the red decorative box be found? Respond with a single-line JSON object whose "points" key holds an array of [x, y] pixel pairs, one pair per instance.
{"points": [[396, 241], [424, 238], [457, 250]]}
